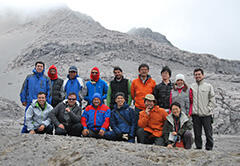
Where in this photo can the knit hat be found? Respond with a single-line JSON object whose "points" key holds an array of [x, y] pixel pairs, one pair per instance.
{"points": [[180, 77], [166, 68], [119, 94], [73, 68], [55, 76], [95, 77]]}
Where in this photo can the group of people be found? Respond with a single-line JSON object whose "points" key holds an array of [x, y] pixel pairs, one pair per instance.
{"points": [[163, 114]]}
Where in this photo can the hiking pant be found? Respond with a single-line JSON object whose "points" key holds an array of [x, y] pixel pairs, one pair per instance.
{"points": [[47, 130], [206, 123], [147, 138], [73, 130], [187, 139], [111, 135], [24, 129], [137, 111]]}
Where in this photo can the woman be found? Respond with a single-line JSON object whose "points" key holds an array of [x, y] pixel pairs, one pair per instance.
{"points": [[182, 94], [176, 129]]}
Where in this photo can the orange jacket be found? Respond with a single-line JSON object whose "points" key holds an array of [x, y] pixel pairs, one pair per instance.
{"points": [[153, 122], [139, 90]]}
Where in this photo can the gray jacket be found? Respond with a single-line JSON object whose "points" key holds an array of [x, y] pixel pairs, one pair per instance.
{"points": [[203, 99], [60, 116], [35, 116]]}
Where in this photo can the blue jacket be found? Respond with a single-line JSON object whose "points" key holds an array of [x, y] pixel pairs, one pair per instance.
{"points": [[96, 118], [100, 87], [76, 85], [33, 84], [118, 125]]}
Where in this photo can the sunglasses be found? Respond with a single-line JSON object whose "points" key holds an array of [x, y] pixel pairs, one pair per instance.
{"points": [[94, 72], [71, 99]]}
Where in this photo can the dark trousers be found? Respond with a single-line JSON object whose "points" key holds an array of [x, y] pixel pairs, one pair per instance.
{"points": [[24, 128], [111, 135], [73, 130], [206, 123], [147, 138], [47, 130], [187, 140], [137, 111]]}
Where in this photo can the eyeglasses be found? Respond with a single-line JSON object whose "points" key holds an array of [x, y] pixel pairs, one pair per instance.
{"points": [[94, 72], [71, 99]]}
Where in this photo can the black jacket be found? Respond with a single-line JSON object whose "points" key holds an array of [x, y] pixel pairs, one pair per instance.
{"points": [[162, 94], [60, 116], [57, 91]]}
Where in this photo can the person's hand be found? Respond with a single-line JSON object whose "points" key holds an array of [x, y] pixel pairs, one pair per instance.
{"points": [[32, 132], [189, 116], [101, 133], [61, 126], [68, 109], [41, 128], [169, 146], [24, 104], [147, 110], [85, 132], [125, 136], [174, 133]]}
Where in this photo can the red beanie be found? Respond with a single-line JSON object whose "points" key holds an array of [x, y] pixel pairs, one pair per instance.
{"points": [[95, 77], [55, 76]]}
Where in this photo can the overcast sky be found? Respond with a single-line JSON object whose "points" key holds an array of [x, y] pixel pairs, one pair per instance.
{"points": [[200, 26]]}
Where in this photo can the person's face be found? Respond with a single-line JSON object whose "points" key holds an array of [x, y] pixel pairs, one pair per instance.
{"points": [[149, 104], [176, 110], [118, 74], [72, 74], [120, 101], [41, 99], [143, 71], [198, 76], [96, 102], [94, 72], [52, 71], [72, 100], [180, 83], [39, 67], [165, 75]]}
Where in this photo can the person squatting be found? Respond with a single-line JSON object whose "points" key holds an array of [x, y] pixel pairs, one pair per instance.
{"points": [[162, 114]]}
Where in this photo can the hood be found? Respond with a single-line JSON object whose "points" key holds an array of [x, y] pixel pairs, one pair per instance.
{"points": [[38, 74], [97, 95], [55, 76], [183, 118], [96, 76]]}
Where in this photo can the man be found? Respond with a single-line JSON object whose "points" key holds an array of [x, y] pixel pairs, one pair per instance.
{"points": [[96, 85], [95, 118], [119, 84], [140, 87], [37, 116], [151, 121], [66, 117], [57, 91], [122, 121], [33, 84], [203, 105], [162, 91], [74, 84]]}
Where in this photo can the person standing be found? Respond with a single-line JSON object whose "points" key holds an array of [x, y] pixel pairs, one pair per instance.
{"points": [[162, 90], [74, 84], [96, 85], [119, 84], [140, 87], [202, 113], [57, 83], [182, 94], [33, 84]]}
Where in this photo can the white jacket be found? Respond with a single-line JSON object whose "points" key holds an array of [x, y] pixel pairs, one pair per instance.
{"points": [[203, 99]]}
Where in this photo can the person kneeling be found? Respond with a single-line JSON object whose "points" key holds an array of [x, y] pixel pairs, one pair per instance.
{"points": [[151, 122], [66, 117], [176, 130], [37, 119], [95, 118], [122, 121]]}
